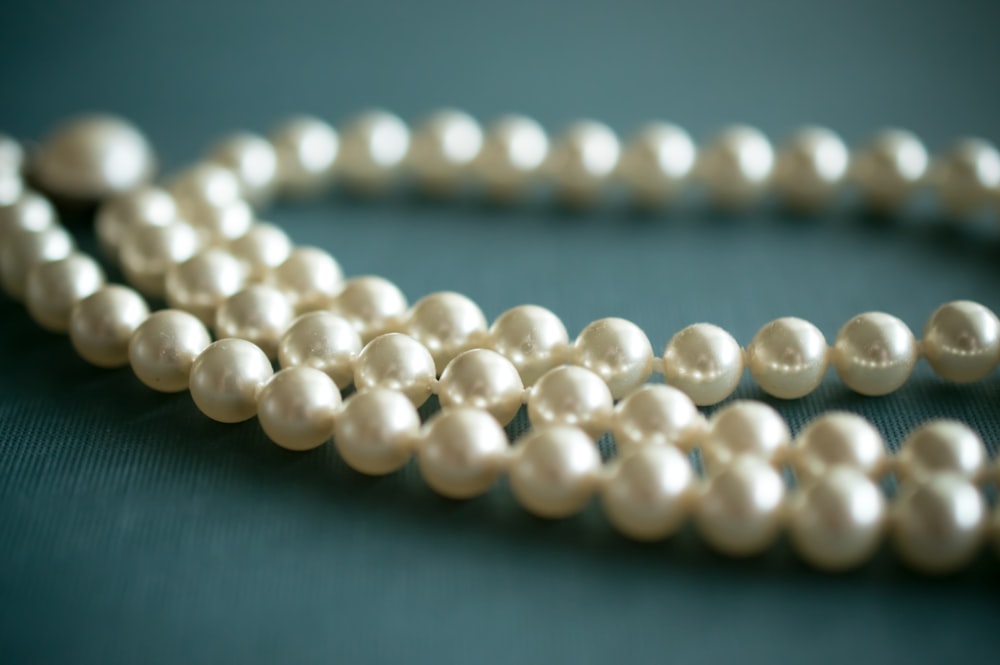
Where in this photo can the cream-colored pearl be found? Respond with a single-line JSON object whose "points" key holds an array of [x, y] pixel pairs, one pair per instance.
{"points": [[446, 323], [376, 430], [531, 337], [889, 168], [650, 492], [226, 377], [514, 149], [253, 160], [617, 351], [836, 523], [939, 523], [148, 252], [29, 212], [205, 183], [101, 325], [398, 362], [745, 428], [200, 284], [307, 149], [259, 313], [324, 341], [788, 358], [461, 453], [297, 407], [374, 306], [836, 439], [482, 379], [309, 277], [962, 341], [554, 471], [705, 362], [261, 249], [874, 353], [93, 156], [810, 168], [740, 511], [656, 414], [145, 206], [582, 161], [54, 287], [443, 147], [219, 223], [942, 446], [967, 176], [11, 188], [735, 166], [571, 395], [372, 148], [21, 251], [656, 163], [164, 347], [11, 156]]}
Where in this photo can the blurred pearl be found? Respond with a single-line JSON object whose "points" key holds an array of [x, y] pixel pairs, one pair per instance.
{"points": [[554, 471], [11, 156], [226, 377], [446, 323], [253, 160], [788, 358], [482, 379], [324, 341], [205, 183], [939, 523], [531, 337], [261, 249], [656, 163], [705, 362], [372, 305], [740, 511], [101, 325], [650, 492], [296, 408], [889, 168], [11, 188], [744, 428], [962, 341], [810, 168], [398, 362], [617, 351], [219, 222], [372, 147], [736, 166], [164, 347], [966, 177], [21, 251], [145, 206], [582, 161], [29, 212], [838, 438], [942, 446], [443, 147], [656, 414], [874, 353], [200, 284], [306, 149], [513, 150], [93, 156], [148, 252], [258, 314], [836, 522], [462, 451], [54, 287], [376, 430], [309, 277], [571, 395]]}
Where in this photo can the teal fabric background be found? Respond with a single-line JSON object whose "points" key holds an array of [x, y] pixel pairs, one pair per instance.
{"points": [[134, 530]]}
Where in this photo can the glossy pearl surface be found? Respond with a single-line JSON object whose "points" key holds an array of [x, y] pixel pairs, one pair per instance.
{"points": [[203, 282], [55, 287], [148, 252], [736, 166], [788, 358], [514, 149], [967, 176], [705, 362], [962, 341], [650, 492], [21, 251], [226, 377], [531, 337], [446, 323], [306, 149], [744, 428], [656, 415], [656, 163], [461, 453], [835, 439], [739, 513], [372, 305], [324, 341], [582, 161], [261, 249], [398, 362], [942, 446], [574, 396], [889, 168], [309, 277], [810, 168], [254, 162], [164, 347], [376, 431], [220, 223], [101, 325], [27, 212], [145, 206], [482, 379], [297, 407], [874, 353], [554, 471], [442, 148], [617, 351], [372, 148], [259, 313], [204, 184]]}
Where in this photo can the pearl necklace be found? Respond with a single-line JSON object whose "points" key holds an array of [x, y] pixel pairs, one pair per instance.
{"points": [[196, 243]]}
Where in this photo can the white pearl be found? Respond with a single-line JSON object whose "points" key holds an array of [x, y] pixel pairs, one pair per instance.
{"points": [[147, 252], [650, 492], [261, 249], [582, 161], [554, 471], [226, 377], [219, 222], [101, 325], [21, 251], [297, 406], [788, 358], [205, 183], [656, 414], [810, 168], [372, 148], [309, 277], [889, 168], [962, 341], [745, 428], [482, 379], [307, 150], [93, 156], [200, 284], [145, 206], [942, 446], [253, 160], [736, 166], [324, 341], [966, 177], [164, 347], [54, 287], [656, 163], [461, 453], [11, 187], [838, 438], [514, 149], [874, 353], [836, 522], [705, 362], [617, 351], [376, 430], [939, 523], [446, 323], [531, 337], [398, 362], [372, 305], [571, 395], [29, 212], [442, 148], [11, 156], [259, 313], [739, 513]]}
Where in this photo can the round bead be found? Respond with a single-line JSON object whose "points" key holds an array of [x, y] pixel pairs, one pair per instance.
{"points": [[571, 395], [220, 222], [372, 147], [54, 287], [306, 150], [582, 161], [258, 314], [617, 351], [443, 147], [324, 341], [398, 362], [101, 325], [446, 323], [148, 252], [21, 251], [656, 414], [736, 166], [531, 337], [967, 176], [810, 168], [942, 446], [554, 471], [205, 184], [461, 453], [650, 492], [838, 439], [226, 377], [297, 406], [889, 168], [745, 428], [310, 278], [164, 347], [29, 212], [376, 430], [11, 156], [874, 353], [962, 341], [253, 160], [739, 513], [788, 358], [656, 163], [261, 249], [705, 362], [145, 206], [482, 379], [513, 150], [200, 284], [374, 306]]}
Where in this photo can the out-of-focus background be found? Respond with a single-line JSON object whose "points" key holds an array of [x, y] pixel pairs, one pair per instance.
{"points": [[133, 530]]}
